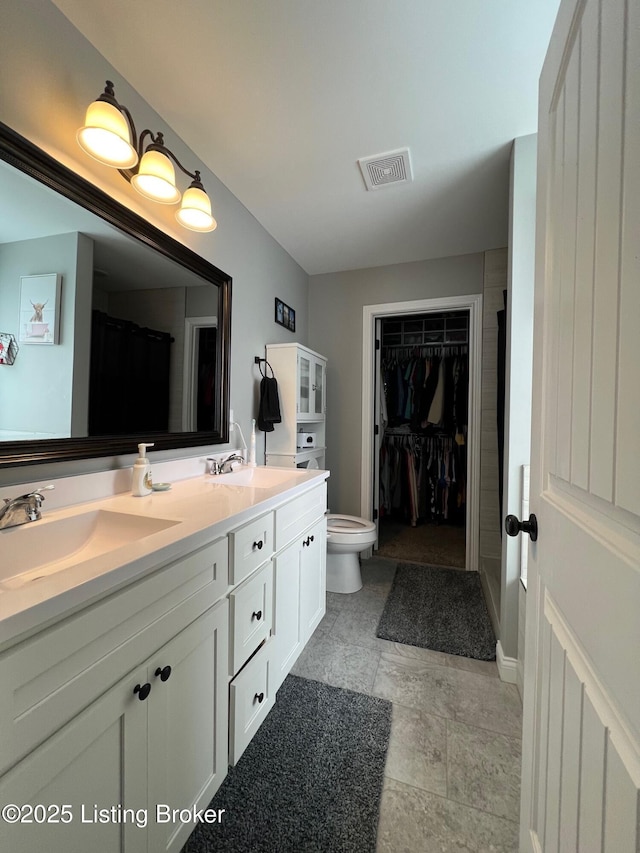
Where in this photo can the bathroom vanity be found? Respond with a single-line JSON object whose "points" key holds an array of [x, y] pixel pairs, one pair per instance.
{"points": [[137, 667]]}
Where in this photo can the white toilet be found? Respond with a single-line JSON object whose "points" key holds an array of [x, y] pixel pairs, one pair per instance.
{"points": [[347, 536]]}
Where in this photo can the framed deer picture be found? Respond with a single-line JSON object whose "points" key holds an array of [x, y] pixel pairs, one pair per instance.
{"points": [[40, 309]]}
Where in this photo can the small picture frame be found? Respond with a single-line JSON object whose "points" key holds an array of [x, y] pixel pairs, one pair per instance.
{"points": [[39, 321], [285, 315]]}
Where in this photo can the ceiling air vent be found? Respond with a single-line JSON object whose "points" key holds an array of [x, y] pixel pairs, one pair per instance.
{"points": [[379, 171]]}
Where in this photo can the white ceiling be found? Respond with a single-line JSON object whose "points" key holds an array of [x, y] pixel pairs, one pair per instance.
{"points": [[281, 97]]}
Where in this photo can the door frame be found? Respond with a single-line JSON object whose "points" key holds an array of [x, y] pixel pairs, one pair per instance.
{"points": [[189, 372], [472, 303]]}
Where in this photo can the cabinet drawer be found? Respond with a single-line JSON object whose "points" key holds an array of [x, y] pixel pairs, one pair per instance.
{"points": [[49, 678], [251, 546], [251, 615], [251, 698], [296, 516]]}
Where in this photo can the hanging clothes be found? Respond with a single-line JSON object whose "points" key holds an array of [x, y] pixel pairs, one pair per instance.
{"points": [[422, 478]]}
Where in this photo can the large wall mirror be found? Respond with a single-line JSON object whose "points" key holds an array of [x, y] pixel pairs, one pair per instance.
{"points": [[122, 333]]}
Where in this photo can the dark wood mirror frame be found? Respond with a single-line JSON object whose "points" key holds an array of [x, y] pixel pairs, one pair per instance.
{"points": [[28, 158]]}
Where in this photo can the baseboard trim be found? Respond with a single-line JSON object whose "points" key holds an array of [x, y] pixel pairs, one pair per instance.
{"points": [[507, 667]]}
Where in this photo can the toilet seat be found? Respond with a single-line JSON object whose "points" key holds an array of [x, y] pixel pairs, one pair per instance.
{"points": [[349, 529], [349, 523]]}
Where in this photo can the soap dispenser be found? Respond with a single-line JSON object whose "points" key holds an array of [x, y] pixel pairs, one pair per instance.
{"points": [[142, 482]]}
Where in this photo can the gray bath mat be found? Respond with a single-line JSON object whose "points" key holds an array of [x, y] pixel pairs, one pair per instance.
{"points": [[439, 609], [311, 779]]}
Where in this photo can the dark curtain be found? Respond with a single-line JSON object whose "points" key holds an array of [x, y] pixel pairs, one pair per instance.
{"points": [[129, 386]]}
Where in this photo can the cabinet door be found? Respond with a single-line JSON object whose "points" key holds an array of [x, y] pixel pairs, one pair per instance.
{"points": [[287, 627], [317, 388], [313, 578], [188, 718], [96, 762], [304, 384]]}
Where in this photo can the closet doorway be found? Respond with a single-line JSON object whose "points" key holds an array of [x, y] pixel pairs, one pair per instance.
{"points": [[421, 393]]}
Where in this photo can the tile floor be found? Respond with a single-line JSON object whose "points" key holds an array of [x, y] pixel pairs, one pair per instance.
{"points": [[452, 779]]}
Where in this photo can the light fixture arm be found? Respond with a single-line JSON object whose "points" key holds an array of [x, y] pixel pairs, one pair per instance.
{"points": [[157, 140]]}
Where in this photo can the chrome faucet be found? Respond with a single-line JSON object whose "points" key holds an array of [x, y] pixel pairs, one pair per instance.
{"points": [[225, 466], [23, 509]]}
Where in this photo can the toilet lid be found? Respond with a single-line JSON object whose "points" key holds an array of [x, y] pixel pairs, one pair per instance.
{"points": [[349, 524]]}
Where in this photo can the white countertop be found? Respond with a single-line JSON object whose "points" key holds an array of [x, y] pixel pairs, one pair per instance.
{"points": [[203, 507]]}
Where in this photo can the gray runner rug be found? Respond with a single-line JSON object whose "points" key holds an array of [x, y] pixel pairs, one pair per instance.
{"points": [[439, 609], [311, 779]]}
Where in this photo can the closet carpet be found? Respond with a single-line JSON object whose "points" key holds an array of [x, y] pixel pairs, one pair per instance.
{"points": [[440, 609], [436, 545], [311, 779]]}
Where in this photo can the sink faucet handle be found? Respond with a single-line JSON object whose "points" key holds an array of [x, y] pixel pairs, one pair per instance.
{"points": [[37, 493], [43, 489]]}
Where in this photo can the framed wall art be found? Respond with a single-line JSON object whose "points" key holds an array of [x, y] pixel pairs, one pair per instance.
{"points": [[285, 315], [39, 321]]}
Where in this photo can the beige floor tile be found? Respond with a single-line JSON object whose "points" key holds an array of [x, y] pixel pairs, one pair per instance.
{"points": [[415, 821], [417, 750], [338, 664], [483, 769]]}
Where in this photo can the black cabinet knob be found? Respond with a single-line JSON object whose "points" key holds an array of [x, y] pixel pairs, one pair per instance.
{"points": [[164, 673], [142, 690], [312, 538], [257, 614], [258, 544], [513, 526], [258, 697]]}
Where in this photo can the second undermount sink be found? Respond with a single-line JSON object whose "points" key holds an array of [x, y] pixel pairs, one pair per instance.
{"points": [[260, 477], [41, 548]]}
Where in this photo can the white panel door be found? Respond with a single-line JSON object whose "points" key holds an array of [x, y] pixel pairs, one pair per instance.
{"points": [[581, 738]]}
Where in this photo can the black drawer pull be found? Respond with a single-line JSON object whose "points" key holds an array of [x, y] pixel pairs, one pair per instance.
{"points": [[164, 673], [142, 690], [312, 538], [257, 614], [258, 544], [259, 697]]}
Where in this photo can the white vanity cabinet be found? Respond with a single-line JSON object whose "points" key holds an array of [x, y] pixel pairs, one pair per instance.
{"points": [[301, 375], [300, 568], [132, 729], [131, 707]]}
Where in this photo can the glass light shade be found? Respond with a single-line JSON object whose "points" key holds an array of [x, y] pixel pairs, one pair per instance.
{"points": [[195, 211], [156, 178], [106, 137]]}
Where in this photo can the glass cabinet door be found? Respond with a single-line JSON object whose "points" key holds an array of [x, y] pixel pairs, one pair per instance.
{"points": [[304, 382], [318, 388]]}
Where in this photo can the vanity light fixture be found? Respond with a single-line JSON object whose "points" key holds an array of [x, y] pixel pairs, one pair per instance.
{"points": [[109, 136]]}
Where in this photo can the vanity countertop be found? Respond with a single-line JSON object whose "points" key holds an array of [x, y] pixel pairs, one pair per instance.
{"points": [[199, 509]]}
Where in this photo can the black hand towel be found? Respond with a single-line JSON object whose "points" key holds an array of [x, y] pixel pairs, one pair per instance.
{"points": [[269, 411]]}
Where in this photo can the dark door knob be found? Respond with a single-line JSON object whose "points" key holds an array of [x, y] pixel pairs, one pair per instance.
{"points": [[257, 614], [164, 673], [513, 526], [259, 697], [142, 690], [258, 544]]}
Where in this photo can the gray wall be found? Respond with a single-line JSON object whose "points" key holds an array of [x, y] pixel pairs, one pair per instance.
{"points": [[335, 329], [37, 389], [49, 73]]}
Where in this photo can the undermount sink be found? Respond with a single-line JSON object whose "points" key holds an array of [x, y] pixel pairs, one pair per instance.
{"points": [[259, 477], [41, 548]]}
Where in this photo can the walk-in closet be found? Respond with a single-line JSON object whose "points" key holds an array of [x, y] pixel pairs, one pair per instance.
{"points": [[422, 481]]}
